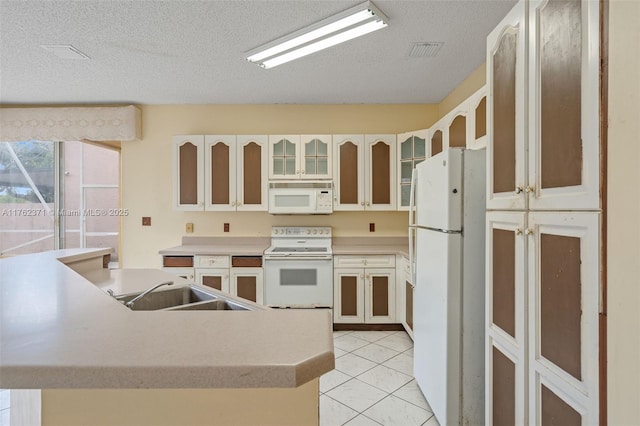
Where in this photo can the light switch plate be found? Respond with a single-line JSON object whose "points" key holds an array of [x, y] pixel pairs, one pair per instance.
{"points": [[189, 228]]}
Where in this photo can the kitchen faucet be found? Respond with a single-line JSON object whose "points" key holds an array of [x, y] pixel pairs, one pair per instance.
{"points": [[130, 303]]}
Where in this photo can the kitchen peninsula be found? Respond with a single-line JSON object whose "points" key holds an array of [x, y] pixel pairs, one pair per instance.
{"points": [[99, 363]]}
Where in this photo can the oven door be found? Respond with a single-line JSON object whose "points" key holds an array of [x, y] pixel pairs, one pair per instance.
{"points": [[298, 282]]}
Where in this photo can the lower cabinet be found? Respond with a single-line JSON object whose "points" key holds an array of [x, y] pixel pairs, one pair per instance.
{"points": [[240, 276], [248, 283], [217, 278], [404, 295], [364, 295]]}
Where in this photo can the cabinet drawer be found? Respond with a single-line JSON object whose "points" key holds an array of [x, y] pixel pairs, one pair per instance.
{"points": [[187, 273], [246, 261], [373, 261], [212, 261], [177, 261]]}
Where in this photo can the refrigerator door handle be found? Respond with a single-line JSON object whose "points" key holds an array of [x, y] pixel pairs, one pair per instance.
{"points": [[412, 254], [412, 198], [412, 229]]}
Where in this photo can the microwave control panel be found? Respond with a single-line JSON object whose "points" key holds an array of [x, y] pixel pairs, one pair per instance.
{"points": [[324, 200]]}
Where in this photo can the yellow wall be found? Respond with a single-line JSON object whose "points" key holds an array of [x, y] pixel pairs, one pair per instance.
{"points": [[468, 87], [147, 172], [623, 228]]}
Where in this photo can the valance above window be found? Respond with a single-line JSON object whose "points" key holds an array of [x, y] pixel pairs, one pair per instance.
{"points": [[71, 124]]}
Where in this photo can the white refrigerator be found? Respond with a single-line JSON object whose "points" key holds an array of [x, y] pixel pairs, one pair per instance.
{"points": [[447, 250]]}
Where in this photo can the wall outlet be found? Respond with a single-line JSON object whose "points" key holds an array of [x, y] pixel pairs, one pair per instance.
{"points": [[189, 228], [146, 221], [372, 227], [226, 227]]}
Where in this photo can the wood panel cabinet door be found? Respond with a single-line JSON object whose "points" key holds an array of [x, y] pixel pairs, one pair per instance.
{"points": [[188, 172], [380, 163], [248, 283], [436, 139], [408, 307], [283, 156], [411, 149], [505, 313], [564, 144], [477, 120], [315, 157], [506, 112], [217, 278], [220, 172], [251, 181], [379, 295], [348, 295], [564, 304], [348, 172]]}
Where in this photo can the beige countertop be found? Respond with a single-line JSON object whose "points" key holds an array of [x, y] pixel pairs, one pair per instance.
{"points": [[236, 246], [370, 245], [60, 329]]}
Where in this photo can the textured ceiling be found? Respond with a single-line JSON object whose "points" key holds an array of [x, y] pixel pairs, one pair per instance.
{"points": [[191, 52]]}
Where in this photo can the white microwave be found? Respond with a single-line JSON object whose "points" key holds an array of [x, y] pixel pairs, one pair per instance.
{"points": [[301, 197]]}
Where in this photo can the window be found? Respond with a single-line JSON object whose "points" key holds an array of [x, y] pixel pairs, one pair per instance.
{"points": [[58, 195]]}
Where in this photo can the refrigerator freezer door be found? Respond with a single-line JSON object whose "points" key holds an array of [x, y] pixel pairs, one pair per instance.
{"points": [[439, 191], [437, 322]]}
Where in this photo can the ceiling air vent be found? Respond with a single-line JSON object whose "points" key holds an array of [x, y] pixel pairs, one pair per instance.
{"points": [[425, 49]]}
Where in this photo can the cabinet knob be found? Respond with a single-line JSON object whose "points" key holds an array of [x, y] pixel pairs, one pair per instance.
{"points": [[529, 189], [297, 172], [302, 171], [528, 232], [362, 203], [361, 276], [518, 231], [368, 203], [518, 189]]}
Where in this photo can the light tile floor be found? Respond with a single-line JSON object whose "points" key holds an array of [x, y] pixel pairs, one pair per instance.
{"points": [[373, 383], [4, 407]]}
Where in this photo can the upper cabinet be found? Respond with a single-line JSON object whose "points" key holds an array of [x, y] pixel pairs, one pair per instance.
{"points": [[220, 172], [436, 139], [556, 164], [506, 101], [251, 172], [451, 131], [300, 157], [188, 169], [411, 151], [564, 93], [477, 120], [364, 172]]}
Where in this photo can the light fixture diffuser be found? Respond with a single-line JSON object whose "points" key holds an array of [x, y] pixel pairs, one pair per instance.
{"points": [[357, 21]]}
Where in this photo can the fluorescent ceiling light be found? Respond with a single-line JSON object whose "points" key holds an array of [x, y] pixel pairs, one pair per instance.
{"points": [[351, 23]]}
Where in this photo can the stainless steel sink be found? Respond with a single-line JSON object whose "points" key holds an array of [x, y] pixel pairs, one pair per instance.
{"points": [[163, 299], [212, 305]]}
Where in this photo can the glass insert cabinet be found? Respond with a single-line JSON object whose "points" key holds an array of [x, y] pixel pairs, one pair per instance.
{"points": [[411, 152], [300, 157]]}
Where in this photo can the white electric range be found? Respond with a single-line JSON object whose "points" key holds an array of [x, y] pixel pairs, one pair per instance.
{"points": [[299, 267]]}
